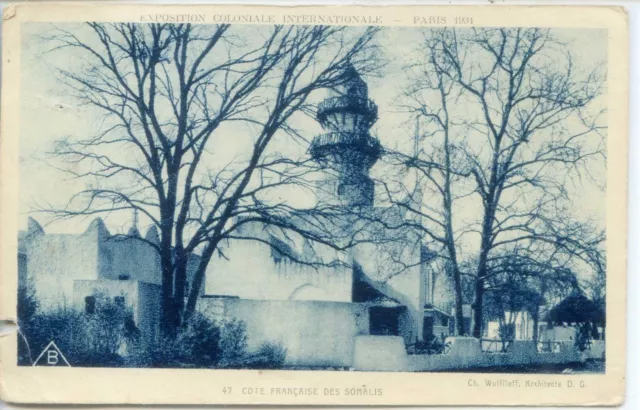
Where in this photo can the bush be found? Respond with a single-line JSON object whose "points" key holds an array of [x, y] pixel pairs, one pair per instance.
{"points": [[269, 356], [75, 335], [109, 337], [111, 328], [27, 303], [27, 309], [233, 343], [431, 345], [86, 340], [196, 345], [208, 344], [201, 343]]}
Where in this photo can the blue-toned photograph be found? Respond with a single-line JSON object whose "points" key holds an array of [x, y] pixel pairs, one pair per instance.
{"points": [[339, 198]]}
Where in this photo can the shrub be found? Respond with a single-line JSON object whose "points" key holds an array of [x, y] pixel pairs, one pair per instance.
{"points": [[86, 340], [269, 356], [201, 343], [63, 326], [109, 337], [233, 343], [431, 345], [110, 328], [196, 345], [27, 303], [27, 309]]}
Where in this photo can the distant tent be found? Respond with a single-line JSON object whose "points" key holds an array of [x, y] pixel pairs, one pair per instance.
{"points": [[577, 308]]}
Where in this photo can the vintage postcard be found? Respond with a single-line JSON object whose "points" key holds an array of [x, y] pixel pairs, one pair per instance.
{"points": [[313, 205]]}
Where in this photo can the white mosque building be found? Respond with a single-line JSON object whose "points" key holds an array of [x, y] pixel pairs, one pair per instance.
{"points": [[315, 312]]}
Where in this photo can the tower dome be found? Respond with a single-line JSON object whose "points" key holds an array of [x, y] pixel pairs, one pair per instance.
{"points": [[347, 146], [354, 84]]}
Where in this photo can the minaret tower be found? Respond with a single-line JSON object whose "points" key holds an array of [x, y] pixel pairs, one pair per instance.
{"points": [[347, 147], [133, 231]]}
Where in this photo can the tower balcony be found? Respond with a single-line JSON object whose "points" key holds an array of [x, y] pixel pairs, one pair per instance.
{"points": [[335, 142], [347, 104]]}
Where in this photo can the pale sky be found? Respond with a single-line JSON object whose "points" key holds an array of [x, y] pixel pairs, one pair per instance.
{"points": [[48, 114]]}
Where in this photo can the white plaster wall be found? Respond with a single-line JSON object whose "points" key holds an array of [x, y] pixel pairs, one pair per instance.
{"points": [[314, 333], [493, 330], [466, 353], [559, 333], [54, 261], [403, 283], [144, 299], [596, 350], [380, 353], [523, 326], [251, 273], [108, 288], [443, 292], [149, 310], [407, 286], [213, 308], [125, 256]]}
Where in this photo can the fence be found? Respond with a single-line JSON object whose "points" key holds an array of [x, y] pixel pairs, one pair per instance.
{"points": [[468, 353], [494, 345], [548, 346]]}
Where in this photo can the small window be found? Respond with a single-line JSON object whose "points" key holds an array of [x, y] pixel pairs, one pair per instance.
{"points": [[119, 300], [445, 321], [124, 277], [90, 305]]}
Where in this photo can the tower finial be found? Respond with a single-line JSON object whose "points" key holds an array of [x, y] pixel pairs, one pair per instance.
{"points": [[134, 232]]}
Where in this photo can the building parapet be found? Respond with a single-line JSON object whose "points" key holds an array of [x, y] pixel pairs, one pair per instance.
{"points": [[347, 103], [333, 139]]}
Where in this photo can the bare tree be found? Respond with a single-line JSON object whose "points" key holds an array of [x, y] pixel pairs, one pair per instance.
{"points": [[510, 295], [527, 282], [510, 123], [596, 285], [170, 96]]}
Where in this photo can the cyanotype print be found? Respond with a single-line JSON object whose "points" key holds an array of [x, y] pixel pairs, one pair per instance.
{"points": [[312, 197]]}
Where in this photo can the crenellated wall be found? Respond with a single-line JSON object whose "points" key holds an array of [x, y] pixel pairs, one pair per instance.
{"points": [[54, 261], [129, 257]]}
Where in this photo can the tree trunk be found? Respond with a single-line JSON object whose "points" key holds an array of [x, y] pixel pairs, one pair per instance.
{"points": [[477, 306], [167, 327], [181, 262], [536, 321], [502, 326], [485, 246], [594, 331], [460, 330], [194, 292], [198, 281], [167, 321]]}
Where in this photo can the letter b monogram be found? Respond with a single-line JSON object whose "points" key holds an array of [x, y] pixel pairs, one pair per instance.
{"points": [[52, 357]]}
